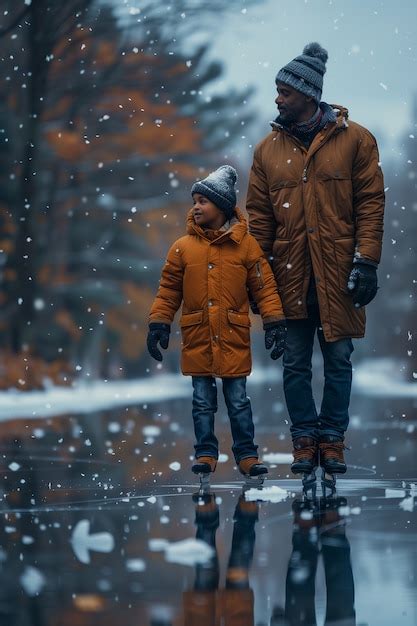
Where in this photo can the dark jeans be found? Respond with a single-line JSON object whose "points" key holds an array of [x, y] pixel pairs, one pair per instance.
{"points": [[333, 418], [239, 411]]}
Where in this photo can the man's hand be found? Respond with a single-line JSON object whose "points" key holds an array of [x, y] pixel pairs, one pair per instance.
{"points": [[275, 335], [362, 284], [158, 332]]}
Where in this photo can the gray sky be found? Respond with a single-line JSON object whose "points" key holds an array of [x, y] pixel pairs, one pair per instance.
{"points": [[372, 56]]}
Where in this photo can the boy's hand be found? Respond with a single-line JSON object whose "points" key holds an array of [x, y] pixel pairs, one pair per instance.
{"points": [[362, 283], [275, 335], [158, 332]]}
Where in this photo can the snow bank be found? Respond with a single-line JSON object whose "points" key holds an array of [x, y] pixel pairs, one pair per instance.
{"points": [[382, 378]]}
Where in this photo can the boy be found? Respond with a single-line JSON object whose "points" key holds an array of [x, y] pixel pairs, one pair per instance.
{"points": [[210, 270]]}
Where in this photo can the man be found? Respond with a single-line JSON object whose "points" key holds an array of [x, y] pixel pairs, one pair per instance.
{"points": [[315, 203]]}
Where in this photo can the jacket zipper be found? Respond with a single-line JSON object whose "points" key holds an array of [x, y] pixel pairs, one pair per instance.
{"points": [[310, 156], [259, 275]]}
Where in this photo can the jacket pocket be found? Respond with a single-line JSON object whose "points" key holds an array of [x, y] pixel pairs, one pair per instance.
{"points": [[336, 175], [191, 319], [239, 319], [344, 248]]}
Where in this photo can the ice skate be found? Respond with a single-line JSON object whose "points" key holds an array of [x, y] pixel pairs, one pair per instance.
{"points": [[305, 462], [253, 471], [203, 468], [332, 462]]}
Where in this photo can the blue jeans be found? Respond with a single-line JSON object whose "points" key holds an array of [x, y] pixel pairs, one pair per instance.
{"points": [[239, 411], [333, 418]]}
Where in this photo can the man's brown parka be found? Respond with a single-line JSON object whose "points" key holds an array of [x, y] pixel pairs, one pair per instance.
{"points": [[315, 210]]}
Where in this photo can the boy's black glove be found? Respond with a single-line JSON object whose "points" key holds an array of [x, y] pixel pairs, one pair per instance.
{"points": [[363, 283], [158, 332], [275, 335]]}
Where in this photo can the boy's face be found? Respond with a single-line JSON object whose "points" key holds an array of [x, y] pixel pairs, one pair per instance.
{"points": [[206, 213]]}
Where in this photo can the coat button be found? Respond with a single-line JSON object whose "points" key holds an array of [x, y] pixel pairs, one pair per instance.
{"points": [[210, 303], [210, 266], [311, 230]]}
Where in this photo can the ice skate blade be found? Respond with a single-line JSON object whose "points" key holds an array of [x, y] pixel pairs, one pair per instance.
{"points": [[204, 483], [254, 482], [328, 484], [309, 481]]}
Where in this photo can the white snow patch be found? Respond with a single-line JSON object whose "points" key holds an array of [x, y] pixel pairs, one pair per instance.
{"points": [[82, 542], [407, 504], [14, 466], [223, 458], [395, 493], [186, 552], [86, 397], [151, 431], [32, 580], [135, 565], [175, 466], [189, 552], [157, 545], [382, 378], [267, 494]]}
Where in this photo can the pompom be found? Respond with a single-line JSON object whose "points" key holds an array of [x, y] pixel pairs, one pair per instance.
{"points": [[314, 49], [231, 172]]}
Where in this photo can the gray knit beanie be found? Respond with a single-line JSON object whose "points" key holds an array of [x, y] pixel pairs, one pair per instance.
{"points": [[305, 72], [219, 188]]}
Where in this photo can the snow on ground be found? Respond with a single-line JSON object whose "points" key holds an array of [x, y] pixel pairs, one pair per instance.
{"points": [[373, 377], [382, 378], [86, 397], [277, 458], [267, 494], [186, 552]]}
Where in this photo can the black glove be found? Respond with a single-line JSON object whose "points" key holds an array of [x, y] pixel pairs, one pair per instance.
{"points": [[275, 335], [158, 332], [362, 283]]}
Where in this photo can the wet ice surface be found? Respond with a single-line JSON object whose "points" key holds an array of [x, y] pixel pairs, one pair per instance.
{"points": [[100, 526]]}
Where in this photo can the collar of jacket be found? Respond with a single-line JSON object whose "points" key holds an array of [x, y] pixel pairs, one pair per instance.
{"points": [[342, 115], [236, 231]]}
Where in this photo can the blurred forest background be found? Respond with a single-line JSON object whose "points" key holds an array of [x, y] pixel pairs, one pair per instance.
{"points": [[105, 122]]}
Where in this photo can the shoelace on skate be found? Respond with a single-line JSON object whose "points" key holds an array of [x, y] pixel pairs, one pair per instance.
{"points": [[333, 450], [306, 453]]}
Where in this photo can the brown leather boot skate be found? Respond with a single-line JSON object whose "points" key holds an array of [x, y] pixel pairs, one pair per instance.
{"points": [[305, 454], [331, 454], [251, 467]]}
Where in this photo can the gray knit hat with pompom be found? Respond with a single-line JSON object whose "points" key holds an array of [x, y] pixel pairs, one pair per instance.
{"points": [[219, 188], [305, 72]]}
